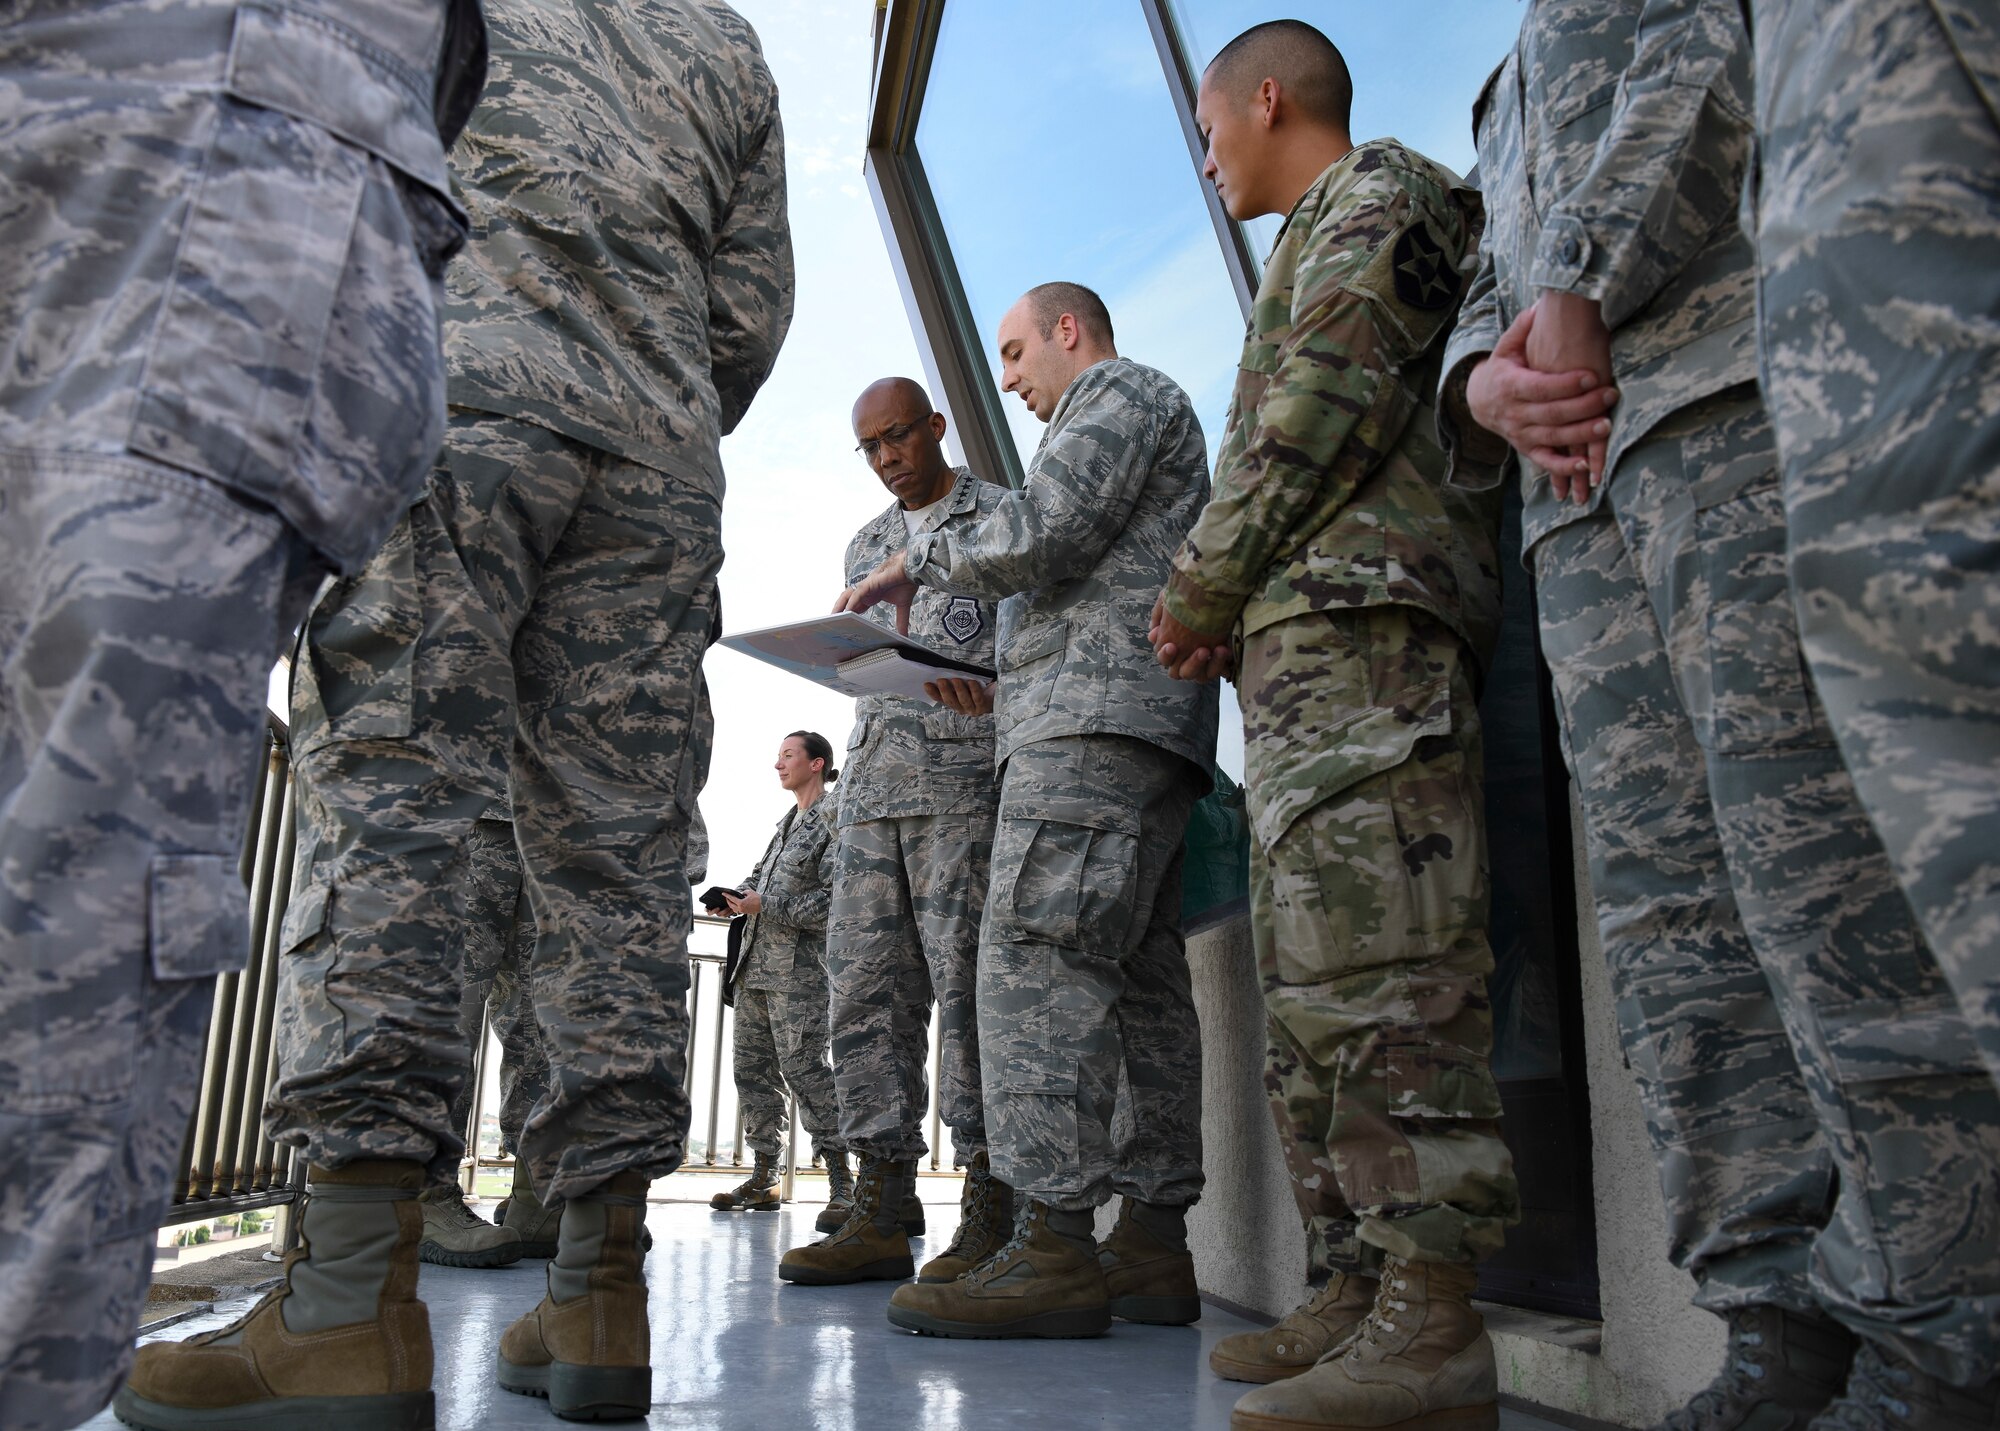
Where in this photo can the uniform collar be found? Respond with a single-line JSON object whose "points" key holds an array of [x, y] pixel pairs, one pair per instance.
{"points": [[963, 495]]}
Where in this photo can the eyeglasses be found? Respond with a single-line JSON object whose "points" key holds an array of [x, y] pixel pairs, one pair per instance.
{"points": [[895, 437]]}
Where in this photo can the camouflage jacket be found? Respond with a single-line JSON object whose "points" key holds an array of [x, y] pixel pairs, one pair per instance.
{"points": [[221, 242], [1329, 488], [795, 879], [908, 755], [1077, 557], [1620, 190], [630, 276]]}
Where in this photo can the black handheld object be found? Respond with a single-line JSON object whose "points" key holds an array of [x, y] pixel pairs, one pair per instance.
{"points": [[713, 898]]}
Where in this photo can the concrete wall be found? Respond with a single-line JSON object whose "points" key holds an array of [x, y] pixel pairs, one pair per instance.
{"points": [[1654, 1350]]}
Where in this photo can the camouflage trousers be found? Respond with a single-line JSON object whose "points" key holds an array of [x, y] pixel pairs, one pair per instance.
{"points": [[1781, 1013], [1878, 222], [780, 1042], [140, 612], [499, 944], [904, 930], [1368, 905], [538, 635], [1083, 979]]}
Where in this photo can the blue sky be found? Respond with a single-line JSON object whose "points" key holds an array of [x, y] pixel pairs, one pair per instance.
{"points": [[1050, 141]]}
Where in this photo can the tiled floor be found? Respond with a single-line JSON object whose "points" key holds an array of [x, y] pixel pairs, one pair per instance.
{"points": [[735, 1347]]}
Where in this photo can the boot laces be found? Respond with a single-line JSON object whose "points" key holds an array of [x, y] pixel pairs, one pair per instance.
{"points": [[1024, 1230], [1734, 1384], [972, 1226], [1380, 1321], [1877, 1390], [457, 1213]]}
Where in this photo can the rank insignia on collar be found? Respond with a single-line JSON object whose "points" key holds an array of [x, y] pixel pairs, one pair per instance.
{"points": [[963, 620], [1423, 278]]}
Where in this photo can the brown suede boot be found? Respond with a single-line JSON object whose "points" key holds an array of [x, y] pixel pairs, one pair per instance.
{"points": [[587, 1346], [1302, 1338], [1045, 1282], [456, 1236], [1419, 1361], [839, 1195], [985, 1222], [1148, 1269], [343, 1345], [756, 1193], [535, 1222], [870, 1246]]}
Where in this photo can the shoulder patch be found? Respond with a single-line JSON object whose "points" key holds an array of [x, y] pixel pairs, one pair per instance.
{"points": [[963, 620], [1424, 280]]}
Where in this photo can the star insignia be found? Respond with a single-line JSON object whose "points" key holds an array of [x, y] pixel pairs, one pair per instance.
{"points": [[1423, 278]]}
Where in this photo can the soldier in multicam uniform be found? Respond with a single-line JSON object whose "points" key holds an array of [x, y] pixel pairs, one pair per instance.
{"points": [[1082, 968], [1364, 600], [624, 296], [220, 245], [917, 806], [779, 985], [1878, 250], [1796, 1045]]}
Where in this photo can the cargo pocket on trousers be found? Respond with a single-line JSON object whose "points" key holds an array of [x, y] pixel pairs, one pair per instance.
{"points": [[197, 917], [1340, 890], [356, 672], [1076, 887], [1760, 698]]}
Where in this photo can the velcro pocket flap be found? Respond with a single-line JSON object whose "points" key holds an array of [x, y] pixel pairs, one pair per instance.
{"points": [[1439, 1083], [1891, 1040], [950, 725], [859, 735], [305, 916], [316, 69], [197, 916], [1088, 811], [1033, 644], [1314, 767]]}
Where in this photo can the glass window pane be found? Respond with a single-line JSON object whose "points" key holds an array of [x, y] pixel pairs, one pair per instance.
{"points": [[1053, 151], [1417, 66]]}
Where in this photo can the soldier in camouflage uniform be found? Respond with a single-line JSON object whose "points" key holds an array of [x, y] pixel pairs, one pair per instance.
{"points": [[220, 241], [1880, 360], [624, 296], [917, 803], [1782, 1013], [1083, 974], [780, 989], [1364, 598]]}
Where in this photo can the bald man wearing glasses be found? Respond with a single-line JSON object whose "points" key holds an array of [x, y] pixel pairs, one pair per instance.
{"points": [[918, 803]]}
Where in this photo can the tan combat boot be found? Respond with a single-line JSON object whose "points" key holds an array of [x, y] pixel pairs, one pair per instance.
{"points": [[587, 1346], [756, 1193], [456, 1236], [870, 1246], [528, 1217], [1419, 1361], [839, 1195], [1045, 1282], [1148, 1270], [985, 1222], [1302, 1338], [342, 1345]]}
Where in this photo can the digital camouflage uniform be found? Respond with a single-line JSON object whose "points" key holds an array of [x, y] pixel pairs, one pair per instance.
{"points": [[1774, 999], [780, 988], [221, 229], [624, 295], [1878, 222], [918, 797], [1083, 973], [1365, 598]]}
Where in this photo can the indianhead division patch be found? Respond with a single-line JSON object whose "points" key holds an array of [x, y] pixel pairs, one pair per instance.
{"points": [[962, 619], [1424, 279]]}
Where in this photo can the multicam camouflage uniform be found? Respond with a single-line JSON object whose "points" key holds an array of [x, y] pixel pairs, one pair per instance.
{"points": [[781, 995], [1082, 968], [918, 797], [199, 413], [630, 255], [1366, 600], [1773, 997], [1880, 361]]}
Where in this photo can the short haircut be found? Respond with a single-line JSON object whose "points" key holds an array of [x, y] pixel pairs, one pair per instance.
{"points": [[1304, 62], [1049, 301]]}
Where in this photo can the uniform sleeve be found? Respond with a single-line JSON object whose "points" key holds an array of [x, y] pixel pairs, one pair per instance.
{"points": [[1336, 369], [1669, 167], [805, 906], [1080, 491], [750, 279], [1475, 459]]}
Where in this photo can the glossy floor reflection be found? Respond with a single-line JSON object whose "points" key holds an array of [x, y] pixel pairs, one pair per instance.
{"points": [[735, 1347]]}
